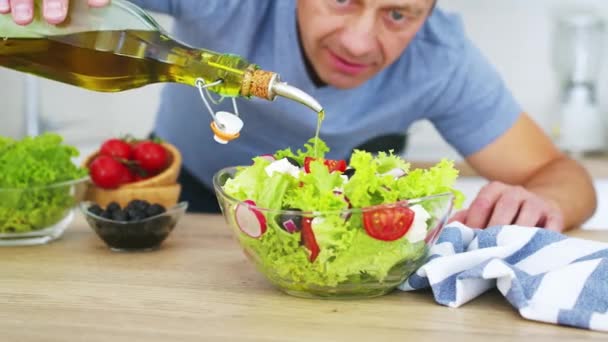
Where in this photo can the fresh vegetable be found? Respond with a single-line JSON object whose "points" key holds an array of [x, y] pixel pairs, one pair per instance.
{"points": [[109, 173], [388, 223], [326, 244], [332, 165], [127, 160], [308, 239], [250, 220], [150, 156], [116, 148], [27, 166]]}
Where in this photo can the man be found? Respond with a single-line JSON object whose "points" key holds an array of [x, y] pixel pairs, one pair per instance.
{"points": [[376, 66]]}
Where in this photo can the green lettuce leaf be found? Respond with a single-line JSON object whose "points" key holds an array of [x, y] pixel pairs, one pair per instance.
{"points": [[436, 180], [308, 151], [368, 187], [248, 182], [347, 253], [315, 190], [253, 183], [29, 165]]}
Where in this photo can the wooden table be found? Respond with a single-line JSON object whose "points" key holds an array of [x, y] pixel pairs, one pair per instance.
{"points": [[200, 287]]}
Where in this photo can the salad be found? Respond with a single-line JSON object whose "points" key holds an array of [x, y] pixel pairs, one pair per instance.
{"points": [[323, 222], [27, 168]]}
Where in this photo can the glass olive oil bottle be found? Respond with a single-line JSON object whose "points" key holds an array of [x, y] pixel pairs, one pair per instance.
{"points": [[121, 47]]}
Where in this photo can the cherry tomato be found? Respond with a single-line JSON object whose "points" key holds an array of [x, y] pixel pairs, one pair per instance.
{"points": [[331, 164], [150, 156], [128, 177], [116, 148], [107, 172], [388, 224], [308, 239]]}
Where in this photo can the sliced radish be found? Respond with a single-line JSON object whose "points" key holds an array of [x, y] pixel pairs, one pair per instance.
{"points": [[268, 157], [250, 220]]}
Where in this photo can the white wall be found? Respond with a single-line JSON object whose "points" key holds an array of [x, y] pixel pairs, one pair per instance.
{"points": [[516, 35]]}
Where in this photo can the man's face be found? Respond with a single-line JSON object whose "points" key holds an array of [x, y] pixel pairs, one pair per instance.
{"points": [[348, 41]]}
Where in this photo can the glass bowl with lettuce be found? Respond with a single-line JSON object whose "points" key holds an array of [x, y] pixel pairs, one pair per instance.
{"points": [[39, 187], [323, 228]]}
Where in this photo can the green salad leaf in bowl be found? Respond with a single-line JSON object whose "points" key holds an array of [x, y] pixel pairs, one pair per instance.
{"points": [[39, 187], [317, 227]]}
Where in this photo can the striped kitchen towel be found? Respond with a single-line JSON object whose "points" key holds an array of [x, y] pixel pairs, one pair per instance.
{"points": [[545, 275]]}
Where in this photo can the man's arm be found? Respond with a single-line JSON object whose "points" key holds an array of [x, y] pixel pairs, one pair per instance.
{"points": [[533, 183]]}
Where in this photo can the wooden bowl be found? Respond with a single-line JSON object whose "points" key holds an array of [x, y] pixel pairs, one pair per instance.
{"points": [[167, 195], [167, 177]]}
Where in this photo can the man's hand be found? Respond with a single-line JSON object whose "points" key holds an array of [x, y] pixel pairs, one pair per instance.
{"points": [[499, 204], [554, 191], [54, 11]]}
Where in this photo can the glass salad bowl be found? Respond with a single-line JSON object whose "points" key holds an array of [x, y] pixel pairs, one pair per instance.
{"points": [[40, 214], [351, 253]]}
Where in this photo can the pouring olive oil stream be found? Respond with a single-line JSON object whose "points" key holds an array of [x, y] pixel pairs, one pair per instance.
{"points": [[120, 47]]}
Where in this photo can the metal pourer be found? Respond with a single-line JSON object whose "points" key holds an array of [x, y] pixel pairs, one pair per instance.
{"points": [[268, 85], [283, 89]]}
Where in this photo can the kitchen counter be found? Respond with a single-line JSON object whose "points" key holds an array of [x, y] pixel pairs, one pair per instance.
{"points": [[200, 287]]}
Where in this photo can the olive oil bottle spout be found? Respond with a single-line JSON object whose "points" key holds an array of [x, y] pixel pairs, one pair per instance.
{"points": [[285, 90], [268, 85]]}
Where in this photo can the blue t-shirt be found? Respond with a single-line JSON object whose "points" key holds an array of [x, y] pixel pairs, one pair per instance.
{"points": [[440, 77]]}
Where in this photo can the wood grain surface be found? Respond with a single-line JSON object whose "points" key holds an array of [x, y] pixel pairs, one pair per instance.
{"points": [[200, 287]]}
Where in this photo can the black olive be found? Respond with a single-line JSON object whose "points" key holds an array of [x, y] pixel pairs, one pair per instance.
{"points": [[349, 172], [154, 209], [293, 161], [120, 215], [107, 215], [138, 204], [135, 214], [112, 207], [95, 210]]}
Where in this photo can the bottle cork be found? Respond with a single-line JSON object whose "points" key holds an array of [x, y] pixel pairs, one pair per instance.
{"points": [[258, 83]]}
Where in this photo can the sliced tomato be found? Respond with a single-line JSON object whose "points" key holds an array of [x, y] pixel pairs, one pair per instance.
{"points": [[331, 164], [308, 239], [388, 224], [335, 165]]}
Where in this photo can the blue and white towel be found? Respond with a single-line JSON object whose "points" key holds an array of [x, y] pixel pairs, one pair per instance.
{"points": [[547, 276]]}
